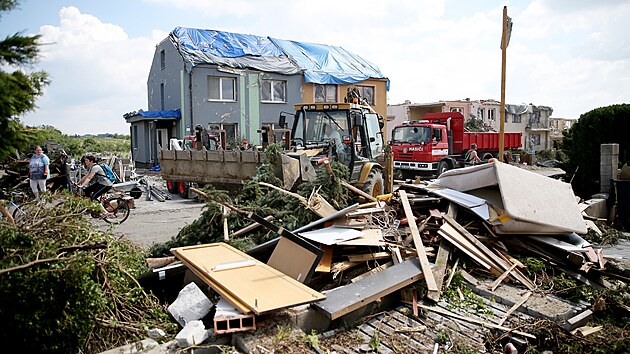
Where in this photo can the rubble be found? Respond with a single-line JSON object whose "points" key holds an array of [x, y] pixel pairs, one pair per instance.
{"points": [[439, 265]]}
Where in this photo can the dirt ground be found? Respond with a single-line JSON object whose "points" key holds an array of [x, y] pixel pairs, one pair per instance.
{"points": [[157, 222]]}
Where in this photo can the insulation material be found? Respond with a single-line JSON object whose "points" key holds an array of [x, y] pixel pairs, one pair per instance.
{"points": [[524, 201]]}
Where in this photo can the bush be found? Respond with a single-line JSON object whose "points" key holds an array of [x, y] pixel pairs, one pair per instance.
{"points": [[605, 125]]}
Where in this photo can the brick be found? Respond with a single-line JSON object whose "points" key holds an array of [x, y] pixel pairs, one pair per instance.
{"points": [[234, 324]]}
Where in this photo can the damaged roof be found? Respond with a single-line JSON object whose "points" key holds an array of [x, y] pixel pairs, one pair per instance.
{"points": [[319, 63]]}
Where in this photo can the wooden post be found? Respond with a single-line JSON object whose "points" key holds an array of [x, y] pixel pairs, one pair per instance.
{"points": [[422, 256], [503, 58]]}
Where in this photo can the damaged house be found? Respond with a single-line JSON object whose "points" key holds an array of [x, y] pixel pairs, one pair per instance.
{"points": [[240, 82]]}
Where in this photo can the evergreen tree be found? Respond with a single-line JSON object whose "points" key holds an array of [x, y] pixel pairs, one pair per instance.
{"points": [[19, 89]]}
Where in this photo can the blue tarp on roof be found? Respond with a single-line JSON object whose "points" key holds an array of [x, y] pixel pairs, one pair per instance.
{"points": [[325, 64], [320, 64], [174, 113]]}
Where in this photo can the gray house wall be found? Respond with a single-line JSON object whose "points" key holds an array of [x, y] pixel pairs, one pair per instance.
{"points": [[187, 89]]}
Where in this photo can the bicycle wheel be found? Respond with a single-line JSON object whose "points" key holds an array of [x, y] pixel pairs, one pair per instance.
{"points": [[118, 210], [21, 212]]}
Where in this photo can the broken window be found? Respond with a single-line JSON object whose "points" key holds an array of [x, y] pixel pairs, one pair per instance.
{"points": [[325, 93], [273, 91], [491, 114], [221, 88]]}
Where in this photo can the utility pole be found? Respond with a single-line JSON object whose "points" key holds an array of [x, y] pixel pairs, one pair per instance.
{"points": [[505, 37]]}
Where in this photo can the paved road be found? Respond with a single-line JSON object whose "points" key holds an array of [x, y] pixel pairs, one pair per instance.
{"points": [[157, 222]]}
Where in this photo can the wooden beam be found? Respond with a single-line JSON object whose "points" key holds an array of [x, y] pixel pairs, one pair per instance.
{"points": [[515, 307], [422, 256], [441, 261], [249, 228], [496, 283], [490, 254]]}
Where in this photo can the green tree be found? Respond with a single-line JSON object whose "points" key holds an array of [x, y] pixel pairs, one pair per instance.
{"points": [[19, 89], [605, 125]]}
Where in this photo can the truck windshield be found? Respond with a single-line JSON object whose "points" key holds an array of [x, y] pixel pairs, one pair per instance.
{"points": [[324, 125], [411, 134]]}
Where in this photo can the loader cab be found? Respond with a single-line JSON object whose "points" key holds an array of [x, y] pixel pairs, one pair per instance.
{"points": [[346, 132]]}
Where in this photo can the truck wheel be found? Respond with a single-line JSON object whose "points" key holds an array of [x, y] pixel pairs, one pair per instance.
{"points": [[443, 166], [374, 184], [172, 187]]}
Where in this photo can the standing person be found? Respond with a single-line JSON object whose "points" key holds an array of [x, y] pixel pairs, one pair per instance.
{"points": [[39, 170], [472, 156], [100, 185]]}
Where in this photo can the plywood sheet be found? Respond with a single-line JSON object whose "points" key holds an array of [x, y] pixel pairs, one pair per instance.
{"points": [[292, 259], [259, 287]]}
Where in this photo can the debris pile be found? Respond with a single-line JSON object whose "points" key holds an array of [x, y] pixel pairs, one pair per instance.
{"points": [[421, 263]]}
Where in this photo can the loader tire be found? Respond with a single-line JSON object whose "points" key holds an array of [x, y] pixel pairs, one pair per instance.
{"points": [[184, 188], [374, 184], [172, 186]]}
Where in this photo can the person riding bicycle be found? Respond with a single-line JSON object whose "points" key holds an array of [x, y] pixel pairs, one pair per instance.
{"points": [[101, 183], [3, 207]]}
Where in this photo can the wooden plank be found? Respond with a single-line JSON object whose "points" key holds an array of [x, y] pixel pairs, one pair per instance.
{"points": [[463, 245], [422, 257], [372, 271], [260, 288], [498, 281], [369, 256], [343, 300], [515, 307], [326, 261], [441, 262], [496, 259], [249, 228]]}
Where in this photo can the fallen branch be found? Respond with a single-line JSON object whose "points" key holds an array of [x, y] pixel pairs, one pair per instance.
{"points": [[30, 264]]}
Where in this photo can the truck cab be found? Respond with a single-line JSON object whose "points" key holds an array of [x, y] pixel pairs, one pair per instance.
{"points": [[418, 147]]}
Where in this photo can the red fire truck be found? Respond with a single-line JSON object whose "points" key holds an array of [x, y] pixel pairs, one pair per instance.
{"points": [[439, 143]]}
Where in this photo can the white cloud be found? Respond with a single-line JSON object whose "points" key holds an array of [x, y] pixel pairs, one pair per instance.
{"points": [[98, 73]]}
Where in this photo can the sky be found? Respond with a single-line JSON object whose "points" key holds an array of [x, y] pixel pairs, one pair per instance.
{"points": [[571, 55]]}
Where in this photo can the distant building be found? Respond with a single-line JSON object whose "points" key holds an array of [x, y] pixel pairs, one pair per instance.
{"points": [[558, 127], [237, 82], [533, 121]]}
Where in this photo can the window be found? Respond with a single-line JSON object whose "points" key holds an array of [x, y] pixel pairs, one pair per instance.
{"points": [[481, 113], [221, 88], [325, 93], [162, 59], [134, 138], [457, 109], [231, 130], [492, 114], [516, 118], [162, 96], [534, 139], [367, 92], [274, 91]]}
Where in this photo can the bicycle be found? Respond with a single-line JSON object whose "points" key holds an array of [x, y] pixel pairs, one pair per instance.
{"points": [[116, 207], [19, 212]]}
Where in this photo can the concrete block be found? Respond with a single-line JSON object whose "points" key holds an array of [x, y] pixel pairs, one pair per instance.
{"points": [[192, 334], [191, 304], [577, 321], [145, 346], [227, 319]]}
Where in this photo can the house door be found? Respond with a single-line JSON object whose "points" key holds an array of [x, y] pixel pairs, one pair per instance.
{"points": [[162, 137]]}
